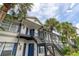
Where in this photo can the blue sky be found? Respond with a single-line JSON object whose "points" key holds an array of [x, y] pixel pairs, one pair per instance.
{"points": [[62, 11]]}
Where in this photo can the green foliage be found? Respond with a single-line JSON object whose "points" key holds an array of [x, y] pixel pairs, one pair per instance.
{"points": [[1, 7], [75, 54], [77, 41], [67, 31], [51, 23], [22, 11], [2, 29], [65, 50]]}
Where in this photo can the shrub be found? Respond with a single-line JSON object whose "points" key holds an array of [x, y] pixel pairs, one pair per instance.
{"points": [[65, 50], [75, 54]]}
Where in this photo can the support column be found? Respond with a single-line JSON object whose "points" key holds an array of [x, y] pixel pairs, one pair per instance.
{"points": [[53, 51], [45, 49], [24, 49]]}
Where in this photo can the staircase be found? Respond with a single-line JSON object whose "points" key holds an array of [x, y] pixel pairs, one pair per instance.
{"points": [[55, 51]]}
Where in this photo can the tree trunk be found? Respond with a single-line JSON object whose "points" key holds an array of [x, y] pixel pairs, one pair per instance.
{"points": [[3, 12]]}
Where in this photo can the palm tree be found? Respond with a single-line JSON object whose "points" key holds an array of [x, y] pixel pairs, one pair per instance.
{"points": [[51, 23], [4, 10], [22, 9], [68, 30], [7, 6]]}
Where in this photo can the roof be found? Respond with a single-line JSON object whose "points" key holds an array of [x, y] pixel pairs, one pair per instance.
{"points": [[28, 18], [34, 20]]}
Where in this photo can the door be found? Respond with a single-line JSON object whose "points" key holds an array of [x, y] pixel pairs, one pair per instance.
{"points": [[32, 32], [31, 49]]}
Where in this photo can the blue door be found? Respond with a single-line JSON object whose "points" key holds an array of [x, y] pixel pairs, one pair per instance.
{"points": [[31, 49]]}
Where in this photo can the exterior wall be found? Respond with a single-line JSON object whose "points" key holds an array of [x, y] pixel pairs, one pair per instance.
{"points": [[23, 30], [12, 34], [21, 45], [8, 37], [35, 48]]}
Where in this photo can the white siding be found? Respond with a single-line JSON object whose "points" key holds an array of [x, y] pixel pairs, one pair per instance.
{"points": [[20, 51], [23, 30], [7, 39]]}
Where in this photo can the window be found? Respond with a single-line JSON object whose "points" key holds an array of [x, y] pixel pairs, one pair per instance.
{"points": [[9, 26], [5, 25], [14, 28], [41, 49], [32, 32], [7, 49]]}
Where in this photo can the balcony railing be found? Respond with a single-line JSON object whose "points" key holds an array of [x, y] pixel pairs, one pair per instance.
{"points": [[48, 37]]}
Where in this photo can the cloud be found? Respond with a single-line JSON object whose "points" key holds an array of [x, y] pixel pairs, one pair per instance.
{"points": [[43, 11], [36, 7], [69, 11], [72, 5], [62, 11]]}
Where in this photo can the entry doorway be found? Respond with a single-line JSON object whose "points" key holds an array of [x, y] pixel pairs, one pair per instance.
{"points": [[31, 49]]}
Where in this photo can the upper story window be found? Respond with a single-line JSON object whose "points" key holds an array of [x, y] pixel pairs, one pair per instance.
{"points": [[32, 32], [9, 26], [5, 25], [13, 28]]}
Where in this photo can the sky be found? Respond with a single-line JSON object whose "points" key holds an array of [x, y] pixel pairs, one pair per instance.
{"points": [[61, 11]]}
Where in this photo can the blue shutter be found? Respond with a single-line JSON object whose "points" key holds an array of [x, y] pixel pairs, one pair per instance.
{"points": [[32, 32], [14, 49], [26, 31]]}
